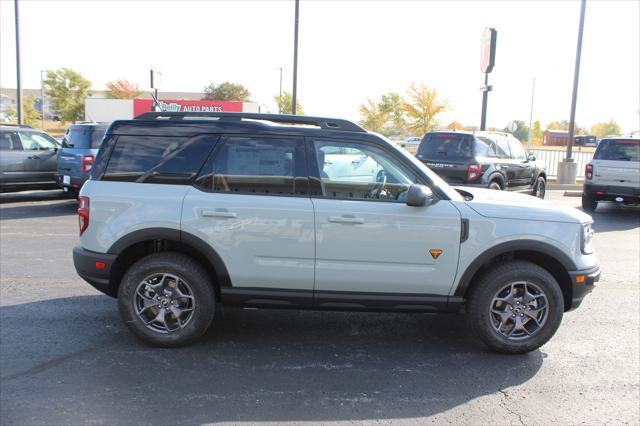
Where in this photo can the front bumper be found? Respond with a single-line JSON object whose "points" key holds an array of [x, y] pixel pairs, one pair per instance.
{"points": [[583, 282], [95, 268], [613, 193]]}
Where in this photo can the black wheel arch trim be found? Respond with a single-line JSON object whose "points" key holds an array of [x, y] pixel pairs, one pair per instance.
{"points": [[150, 234], [509, 246]]}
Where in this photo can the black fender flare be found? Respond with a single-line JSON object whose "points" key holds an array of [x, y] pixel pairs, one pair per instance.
{"points": [[509, 246], [196, 243], [497, 175]]}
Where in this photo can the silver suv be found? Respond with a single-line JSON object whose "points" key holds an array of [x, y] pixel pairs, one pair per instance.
{"points": [[188, 212]]}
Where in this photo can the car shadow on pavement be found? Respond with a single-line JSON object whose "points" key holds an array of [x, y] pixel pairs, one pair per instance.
{"points": [[71, 360], [29, 196], [46, 209], [611, 217]]}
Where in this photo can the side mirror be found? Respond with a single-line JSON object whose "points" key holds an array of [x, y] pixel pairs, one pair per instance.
{"points": [[532, 157], [419, 195]]}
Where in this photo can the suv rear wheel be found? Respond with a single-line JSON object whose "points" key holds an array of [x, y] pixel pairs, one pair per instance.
{"points": [[167, 299], [516, 307], [588, 203]]}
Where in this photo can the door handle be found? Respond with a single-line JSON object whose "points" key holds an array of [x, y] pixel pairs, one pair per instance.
{"points": [[346, 219], [33, 157], [218, 213]]}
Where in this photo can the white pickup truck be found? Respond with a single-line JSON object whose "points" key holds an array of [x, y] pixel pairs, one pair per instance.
{"points": [[614, 173]]}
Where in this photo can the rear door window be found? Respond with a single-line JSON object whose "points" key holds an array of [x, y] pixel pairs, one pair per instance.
{"points": [[485, 147], [446, 146], [9, 141], [618, 150], [260, 165]]}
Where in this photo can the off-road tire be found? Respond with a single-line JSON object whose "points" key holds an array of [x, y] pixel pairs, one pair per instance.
{"points": [[539, 188], [588, 203], [481, 296], [495, 185], [188, 270]]}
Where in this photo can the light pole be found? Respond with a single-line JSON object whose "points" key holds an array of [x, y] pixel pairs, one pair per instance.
{"points": [[295, 62], [567, 169], [280, 103], [533, 91], [42, 98], [18, 76]]}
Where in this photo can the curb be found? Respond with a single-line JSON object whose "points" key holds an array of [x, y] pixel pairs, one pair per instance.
{"points": [[572, 193]]}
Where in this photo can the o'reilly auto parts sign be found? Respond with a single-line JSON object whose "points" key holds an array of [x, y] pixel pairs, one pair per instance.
{"points": [[146, 105]]}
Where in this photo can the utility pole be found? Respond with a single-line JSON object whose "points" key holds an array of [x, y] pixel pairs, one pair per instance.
{"points": [[576, 77], [280, 103], [295, 62], [18, 75], [42, 98], [567, 169], [533, 91]]}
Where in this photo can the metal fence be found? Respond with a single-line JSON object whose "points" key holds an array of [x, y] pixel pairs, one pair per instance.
{"points": [[553, 157]]}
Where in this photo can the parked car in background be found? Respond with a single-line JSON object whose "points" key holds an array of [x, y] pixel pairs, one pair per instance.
{"points": [[75, 159], [413, 141], [614, 173], [486, 159], [184, 214], [586, 140], [27, 159]]}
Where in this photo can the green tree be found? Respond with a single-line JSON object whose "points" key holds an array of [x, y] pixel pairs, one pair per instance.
{"points": [[602, 130], [536, 133], [372, 116], [226, 91], [522, 131], [122, 89], [285, 102], [422, 108], [31, 116], [558, 125], [393, 104], [68, 91]]}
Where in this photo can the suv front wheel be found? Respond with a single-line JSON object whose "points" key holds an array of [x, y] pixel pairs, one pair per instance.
{"points": [[167, 299], [516, 307]]}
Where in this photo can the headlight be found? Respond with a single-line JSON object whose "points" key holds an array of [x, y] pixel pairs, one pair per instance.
{"points": [[586, 242]]}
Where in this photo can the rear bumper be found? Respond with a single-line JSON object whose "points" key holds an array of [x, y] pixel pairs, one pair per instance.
{"points": [[583, 282], [86, 261], [75, 182], [619, 194]]}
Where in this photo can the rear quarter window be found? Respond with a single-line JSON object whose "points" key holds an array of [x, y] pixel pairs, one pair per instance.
{"points": [[155, 159], [618, 150]]}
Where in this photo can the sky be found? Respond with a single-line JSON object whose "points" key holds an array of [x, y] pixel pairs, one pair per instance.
{"points": [[348, 51]]}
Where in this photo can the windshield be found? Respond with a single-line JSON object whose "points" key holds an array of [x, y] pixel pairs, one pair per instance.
{"points": [[446, 146], [434, 178], [618, 150], [85, 137]]}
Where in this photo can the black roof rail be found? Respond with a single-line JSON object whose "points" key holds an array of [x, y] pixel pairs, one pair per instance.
{"points": [[323, 123]]}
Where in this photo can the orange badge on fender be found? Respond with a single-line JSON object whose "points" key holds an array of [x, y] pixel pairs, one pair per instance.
{"points": [[435, 253]]}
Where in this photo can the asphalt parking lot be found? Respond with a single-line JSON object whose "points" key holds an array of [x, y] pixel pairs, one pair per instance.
{"points": [[66, 358]]}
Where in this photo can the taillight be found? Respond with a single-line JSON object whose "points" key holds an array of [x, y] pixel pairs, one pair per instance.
{"points": [[588, 172], [473, 172], [87, 163], [83, 213]]}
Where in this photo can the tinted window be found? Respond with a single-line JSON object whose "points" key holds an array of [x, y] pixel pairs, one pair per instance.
{"points": [[618, 150], [37, 141], [256, 165], [157, 159], [360, 171], [502, 148], [485, 148], [9, 141], [85, 137], [516, 150], [446, 146]]}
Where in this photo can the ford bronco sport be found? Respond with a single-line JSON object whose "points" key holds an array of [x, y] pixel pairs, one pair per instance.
{"points": [[188, 212], [614, 174], [491, 160]]}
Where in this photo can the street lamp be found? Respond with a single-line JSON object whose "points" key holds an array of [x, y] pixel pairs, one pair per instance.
{"points": [[18, 75], [42, 98], [280, 98], [295, 62], [533, 91]]}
